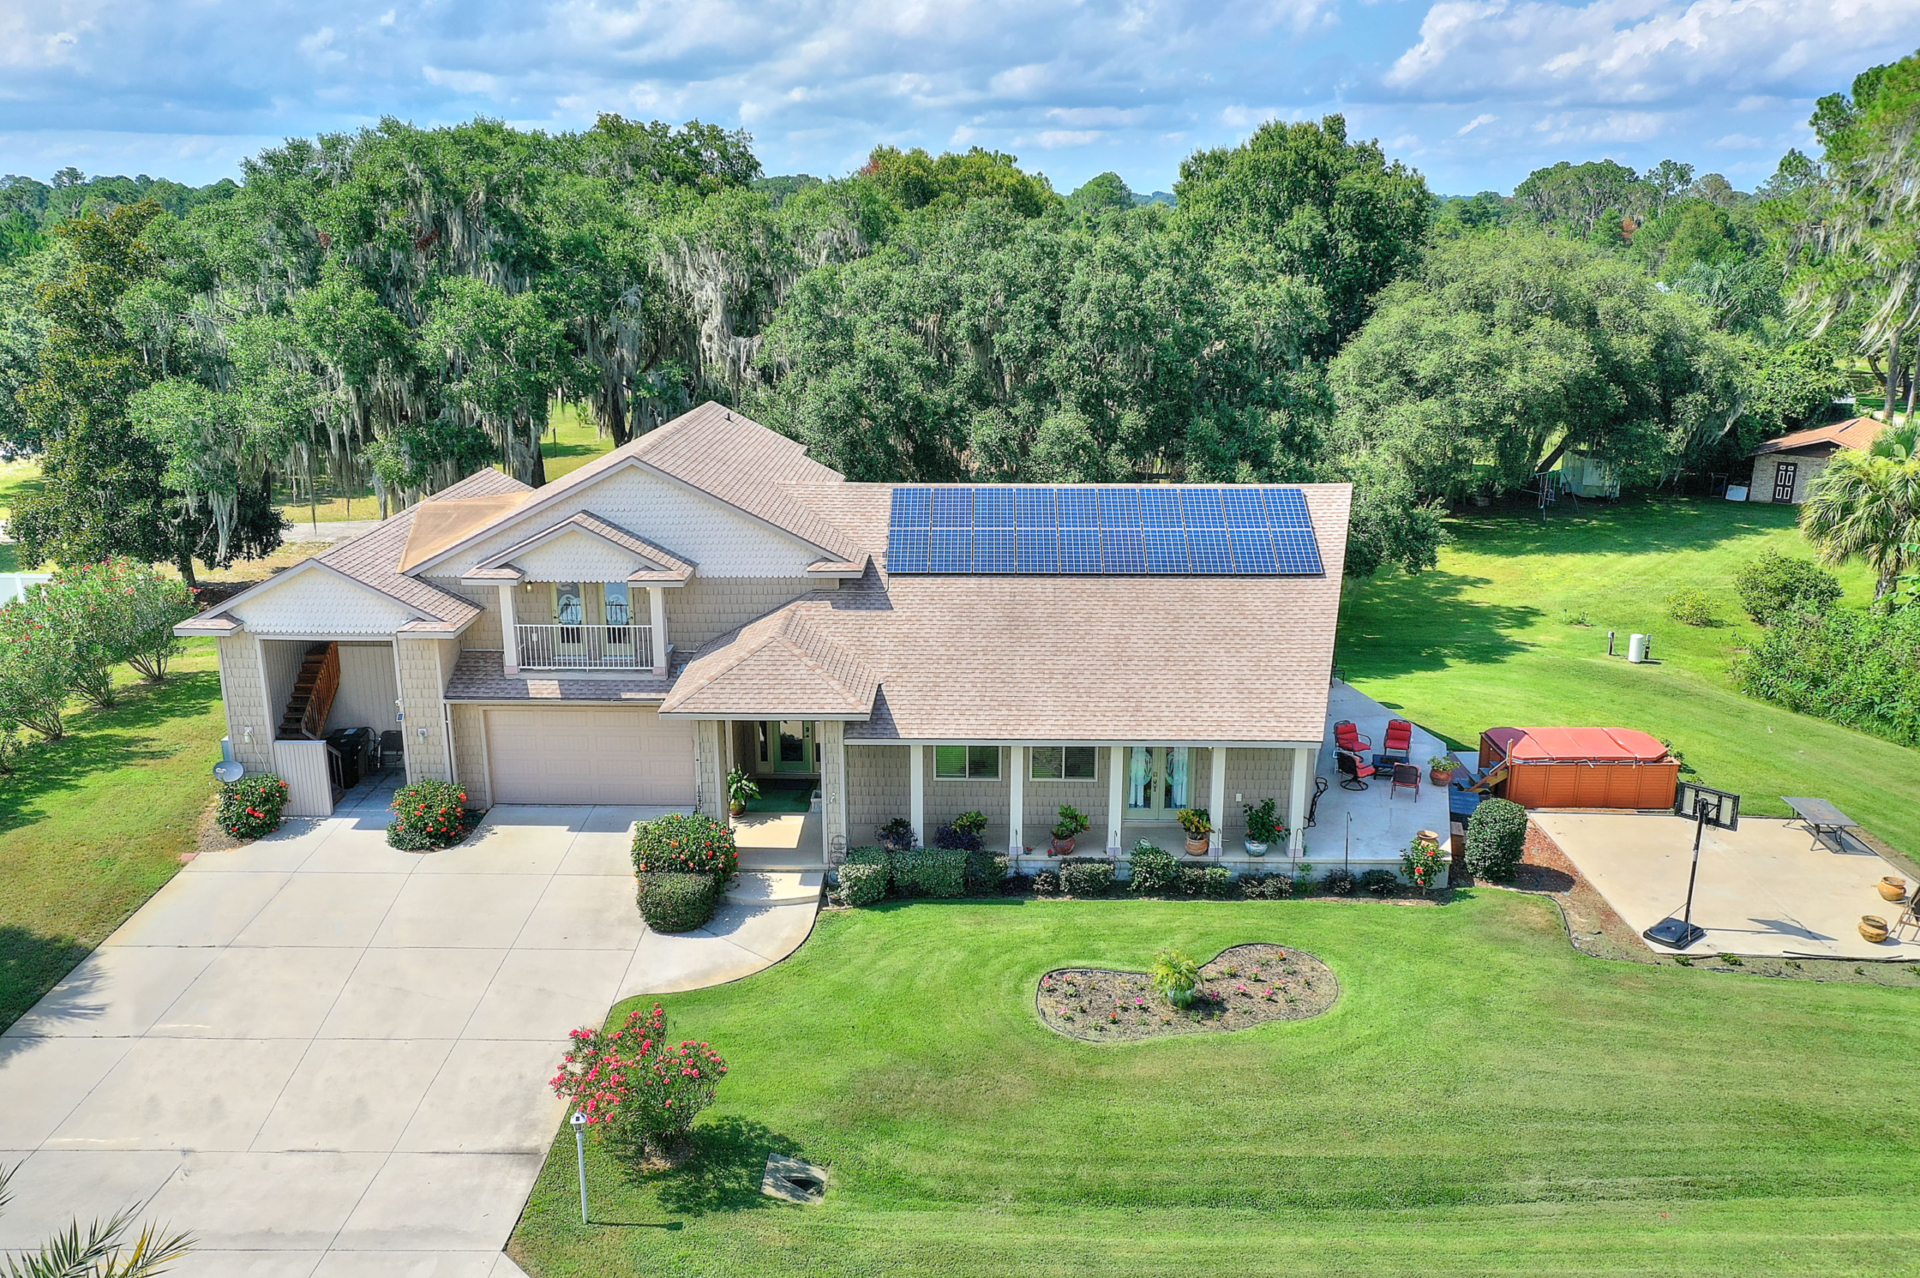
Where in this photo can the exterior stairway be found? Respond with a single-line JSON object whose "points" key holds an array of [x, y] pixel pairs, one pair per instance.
{"points": [[313, 692]]}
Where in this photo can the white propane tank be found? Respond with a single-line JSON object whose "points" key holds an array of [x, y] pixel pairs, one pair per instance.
{"points": [[1637, 649]]}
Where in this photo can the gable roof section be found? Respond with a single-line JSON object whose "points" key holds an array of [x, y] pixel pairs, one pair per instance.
{"points": [[784, 665], [1050, 658], [665, 565], [440, 524], [1855, 432], [721, 454]]}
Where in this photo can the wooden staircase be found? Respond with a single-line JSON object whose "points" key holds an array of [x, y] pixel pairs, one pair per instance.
{"points": [[313, 692]]}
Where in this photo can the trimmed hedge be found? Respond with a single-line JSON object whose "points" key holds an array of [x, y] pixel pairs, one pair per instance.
{"points": [[428, 815], [985, 872], [936, 872], [863, 884], [681, 844], [674, 901], [1155, 872], [1086, 876], [1218, 883], [1266, 887], [1496, 839]]}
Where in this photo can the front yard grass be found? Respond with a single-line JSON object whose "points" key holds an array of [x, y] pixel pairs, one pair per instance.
{"points": [[1489, 638], [1482, 1098], [92, 825]]}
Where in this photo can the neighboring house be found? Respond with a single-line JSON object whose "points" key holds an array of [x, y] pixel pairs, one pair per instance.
{"points": [[1785, 468], [708, 597]]}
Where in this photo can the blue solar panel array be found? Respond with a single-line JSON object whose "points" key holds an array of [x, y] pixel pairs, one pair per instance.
{"points": [[1109, 530]]}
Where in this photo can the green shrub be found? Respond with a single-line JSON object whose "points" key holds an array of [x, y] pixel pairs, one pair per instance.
{"points": [[985, 872], [1775, 585], [1691, 606], [1217, 882], [1155, 873], [937, 872], [429, 814], [1339, 882], [1496, 839], [1862, 670], [1266, 887], [1304, 883], [251, 806], [675, 901], [1072, 822], [1380, 882], [1046, 883], [1175, 976], [681, 844], [1086, 876], [863, 884], [1192, 880]]}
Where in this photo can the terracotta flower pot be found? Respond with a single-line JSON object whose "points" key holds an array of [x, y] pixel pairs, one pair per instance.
{"points": [[1060, 847], [1440, 776], [1197, 847], [1892, 888], [737, 809], [1873, 928]]}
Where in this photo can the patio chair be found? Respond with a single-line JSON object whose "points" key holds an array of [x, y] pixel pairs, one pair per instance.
{"points": [[1354, 770], [1405, 775], [1313, 806], [1346, 735], [1399, 739]]}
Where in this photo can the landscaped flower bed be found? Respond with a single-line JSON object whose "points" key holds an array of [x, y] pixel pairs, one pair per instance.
{"points": [[1244, 986]]}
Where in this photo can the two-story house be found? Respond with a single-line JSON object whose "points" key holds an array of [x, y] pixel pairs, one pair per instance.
{"points": [[708, 597]]}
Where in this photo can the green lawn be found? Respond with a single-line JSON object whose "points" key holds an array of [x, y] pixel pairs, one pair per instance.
{"points": [[1486, 640], [92, 825], [1482, 1099]]}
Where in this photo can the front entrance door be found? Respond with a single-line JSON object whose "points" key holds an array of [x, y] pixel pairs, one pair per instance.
{"points": [[786, 745], [1156, 782], [1784, 476]]}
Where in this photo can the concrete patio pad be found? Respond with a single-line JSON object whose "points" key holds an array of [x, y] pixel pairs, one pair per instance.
{"points": [[329, 1059], [1763, 889]]}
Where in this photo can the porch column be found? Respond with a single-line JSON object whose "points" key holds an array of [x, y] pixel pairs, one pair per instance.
{"points": [[1303, 757], [1116, 794], [1017, 803], [509, 630], [657, 605], [917, 791], [832, 736], [1217, 797]]}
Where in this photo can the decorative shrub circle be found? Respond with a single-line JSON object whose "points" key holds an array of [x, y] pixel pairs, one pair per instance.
{"points": [[1244, 986], [676, 902], [682, 844]]}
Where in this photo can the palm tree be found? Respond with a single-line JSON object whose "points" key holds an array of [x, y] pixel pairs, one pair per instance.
{"points": [[97, 1253], [1867, 506]]}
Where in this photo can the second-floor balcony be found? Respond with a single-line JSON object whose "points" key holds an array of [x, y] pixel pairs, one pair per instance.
{"points": [[584, 647]]}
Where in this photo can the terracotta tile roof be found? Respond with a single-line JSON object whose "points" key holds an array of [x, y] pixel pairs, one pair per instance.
{"points": [[668, 566], [479, 676], [1855, 432], [1061, 657]]}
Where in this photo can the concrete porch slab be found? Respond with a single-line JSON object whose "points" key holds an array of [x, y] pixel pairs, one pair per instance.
{"points": [[776, 887]]}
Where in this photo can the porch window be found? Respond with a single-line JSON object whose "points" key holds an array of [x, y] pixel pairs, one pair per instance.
{"points": [[569, 609], [963, 763], [1063, 763]]}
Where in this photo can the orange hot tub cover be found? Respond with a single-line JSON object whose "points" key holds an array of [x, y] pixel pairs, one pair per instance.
{"points": [[1582, 767]]}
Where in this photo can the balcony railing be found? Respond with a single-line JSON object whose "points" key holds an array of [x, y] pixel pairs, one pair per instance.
{"points": [[555, 647]]}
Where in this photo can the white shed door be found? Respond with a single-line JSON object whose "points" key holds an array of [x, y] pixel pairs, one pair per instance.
{"points": [[553, 755]]}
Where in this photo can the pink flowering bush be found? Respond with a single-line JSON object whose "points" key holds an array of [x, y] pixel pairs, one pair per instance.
{"points": [[632, 1082]]}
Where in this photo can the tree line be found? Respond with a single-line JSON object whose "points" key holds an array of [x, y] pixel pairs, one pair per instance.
{"points": [[397, 307]]}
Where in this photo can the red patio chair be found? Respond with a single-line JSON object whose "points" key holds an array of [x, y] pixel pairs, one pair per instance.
{"points": [[1346, 735], [1405, 774], [1399, 739], [1354, 770]]}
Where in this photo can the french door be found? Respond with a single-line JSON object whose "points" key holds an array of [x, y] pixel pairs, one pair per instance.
{"points": [[1156, 782], [786, 745]]}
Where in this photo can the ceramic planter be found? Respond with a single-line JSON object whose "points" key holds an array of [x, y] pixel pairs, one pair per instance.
{"points": [[1197, 847], [1256, 849], [1892, 888], [1441, 776], [737, 809], [1060, 847], [1873, 928]]}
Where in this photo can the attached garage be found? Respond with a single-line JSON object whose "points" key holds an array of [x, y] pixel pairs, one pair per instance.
{"points": [[555, 755]]}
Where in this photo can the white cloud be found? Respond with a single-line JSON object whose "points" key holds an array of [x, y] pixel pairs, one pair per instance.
{"points": [[461, 81], [1485, 117], [1740, 142], [1248, 117], [1053, 138]]}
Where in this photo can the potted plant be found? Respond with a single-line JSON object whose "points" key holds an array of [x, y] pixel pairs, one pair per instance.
{"points": [[1263, 826], [1440, 769], [740, 788], [1072, 821], [896, 835], [1425, 864], [1198, 824]]}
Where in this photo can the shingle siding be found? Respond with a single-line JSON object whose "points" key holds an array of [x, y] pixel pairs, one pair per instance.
{"points": [[876, 790], [707, 607], [470, 753], [246, 698], [423, 663]]}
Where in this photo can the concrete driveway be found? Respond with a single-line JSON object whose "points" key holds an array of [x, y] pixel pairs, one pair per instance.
{"points": [[325, 1057]]}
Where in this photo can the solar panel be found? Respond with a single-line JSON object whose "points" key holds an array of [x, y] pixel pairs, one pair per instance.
{"points": [[953, 508], [1079, 550], [994, 550], [1113, 529], [951, 550]]}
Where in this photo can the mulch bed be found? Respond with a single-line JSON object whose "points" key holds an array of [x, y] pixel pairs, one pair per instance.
{"points": [[1243, 986]]}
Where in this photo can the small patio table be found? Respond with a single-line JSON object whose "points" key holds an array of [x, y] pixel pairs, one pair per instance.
{"points": [[1823, 819]]}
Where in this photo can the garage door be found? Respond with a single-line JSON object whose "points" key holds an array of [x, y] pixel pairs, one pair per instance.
{"points": [[552, 755]]}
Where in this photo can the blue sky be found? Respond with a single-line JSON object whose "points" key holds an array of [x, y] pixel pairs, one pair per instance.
{"points": [[1474, 93]]}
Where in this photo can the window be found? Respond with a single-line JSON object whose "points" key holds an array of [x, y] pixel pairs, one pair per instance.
{"points": [[1063, 763], [961, 763]]}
